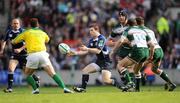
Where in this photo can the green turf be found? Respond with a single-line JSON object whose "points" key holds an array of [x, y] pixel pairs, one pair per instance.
{"points": [[102, 94]]}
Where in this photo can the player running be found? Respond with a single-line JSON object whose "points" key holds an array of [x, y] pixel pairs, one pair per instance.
{"points": [[96, 46], [138, 40], [18, 53], [35, 40], [125, 49], [157, 56]]}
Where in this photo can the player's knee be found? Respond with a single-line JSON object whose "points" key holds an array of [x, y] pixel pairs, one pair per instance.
{"points": [[10, 70], [85, 71]]}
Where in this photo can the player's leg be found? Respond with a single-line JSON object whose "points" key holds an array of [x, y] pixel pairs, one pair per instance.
{"points": [[22, 62], [30, 79], [106, 78], [158, 55], [164, 76], [131, 72], [12, 66], [122, 53], [36, 78], [46, 64], [137, 68], [122, 65], [91, 68]]}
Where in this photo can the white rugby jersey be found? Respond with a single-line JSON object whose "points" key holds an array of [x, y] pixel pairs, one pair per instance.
{"points": [[136, 36], [153, 38]]}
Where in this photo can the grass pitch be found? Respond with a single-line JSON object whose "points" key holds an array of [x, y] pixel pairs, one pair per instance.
{"points": [[101, 94]]}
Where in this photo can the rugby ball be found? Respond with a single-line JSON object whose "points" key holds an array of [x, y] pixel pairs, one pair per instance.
{"points": [[63, 48]]}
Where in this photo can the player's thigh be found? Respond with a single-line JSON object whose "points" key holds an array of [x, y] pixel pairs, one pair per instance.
{"points": [[12, 64], [45, 63], [91, 68], [29, 71], [49, 70], [32, 61], [125, 62], [157, 58], [137, 68]]}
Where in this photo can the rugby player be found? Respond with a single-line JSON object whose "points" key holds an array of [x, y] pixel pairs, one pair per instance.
{"points": [[157, 56], [125, 49], [96, 46], [18, 53], [138, 40], [35, 40]]}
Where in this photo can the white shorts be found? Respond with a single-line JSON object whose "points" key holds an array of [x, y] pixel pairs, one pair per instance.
{"points": [[38, 59]]}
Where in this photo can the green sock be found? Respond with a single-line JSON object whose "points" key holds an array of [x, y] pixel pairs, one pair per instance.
{"points": [[32, 82], [164, 76], [132, 76], [59, 81], [125, 74]]}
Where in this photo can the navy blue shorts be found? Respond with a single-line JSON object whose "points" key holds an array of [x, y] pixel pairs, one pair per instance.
{"points": [[104, 65], [21, 59]]}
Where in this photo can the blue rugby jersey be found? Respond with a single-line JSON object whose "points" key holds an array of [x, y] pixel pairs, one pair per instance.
{"points": [[100, 44], [10, 35]]}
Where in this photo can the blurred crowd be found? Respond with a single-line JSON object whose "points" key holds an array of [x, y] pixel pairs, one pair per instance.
{"points": [[67, 21]]}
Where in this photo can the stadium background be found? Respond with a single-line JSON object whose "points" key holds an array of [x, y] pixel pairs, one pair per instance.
{"points": [[67, 21]]}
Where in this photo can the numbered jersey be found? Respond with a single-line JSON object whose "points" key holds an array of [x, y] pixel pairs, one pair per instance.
{"points": [[152, 36], [137, 37], [100, 44]]}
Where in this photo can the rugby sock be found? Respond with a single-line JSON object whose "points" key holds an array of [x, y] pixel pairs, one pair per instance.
{"points": [[132, 76], [36, 79], [85, 79], [164, 76], [122, 78], [137, 81], [125, 74], [59, 81], [32, 82], [10, 80]]}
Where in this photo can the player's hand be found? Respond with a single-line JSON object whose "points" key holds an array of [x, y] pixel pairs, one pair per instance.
{"points": [[17, 50], [83, 48], [111, 55], [71, 53]]}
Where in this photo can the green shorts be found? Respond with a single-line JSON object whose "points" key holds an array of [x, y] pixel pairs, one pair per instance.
{"points": [[139, 54], [158, 55], [123, 51]]}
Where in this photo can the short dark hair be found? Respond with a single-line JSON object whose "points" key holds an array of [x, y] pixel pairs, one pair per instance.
{"points": [[95, 26], [132, 22], [140, 20], [34, 22]]}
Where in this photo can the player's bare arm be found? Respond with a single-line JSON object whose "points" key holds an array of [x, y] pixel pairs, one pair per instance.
{"points": [[2, 47]]}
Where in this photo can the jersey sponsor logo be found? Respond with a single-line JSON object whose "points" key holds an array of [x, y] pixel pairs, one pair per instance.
{"points": [[10, 35], [91, 44], [101, 43]]}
